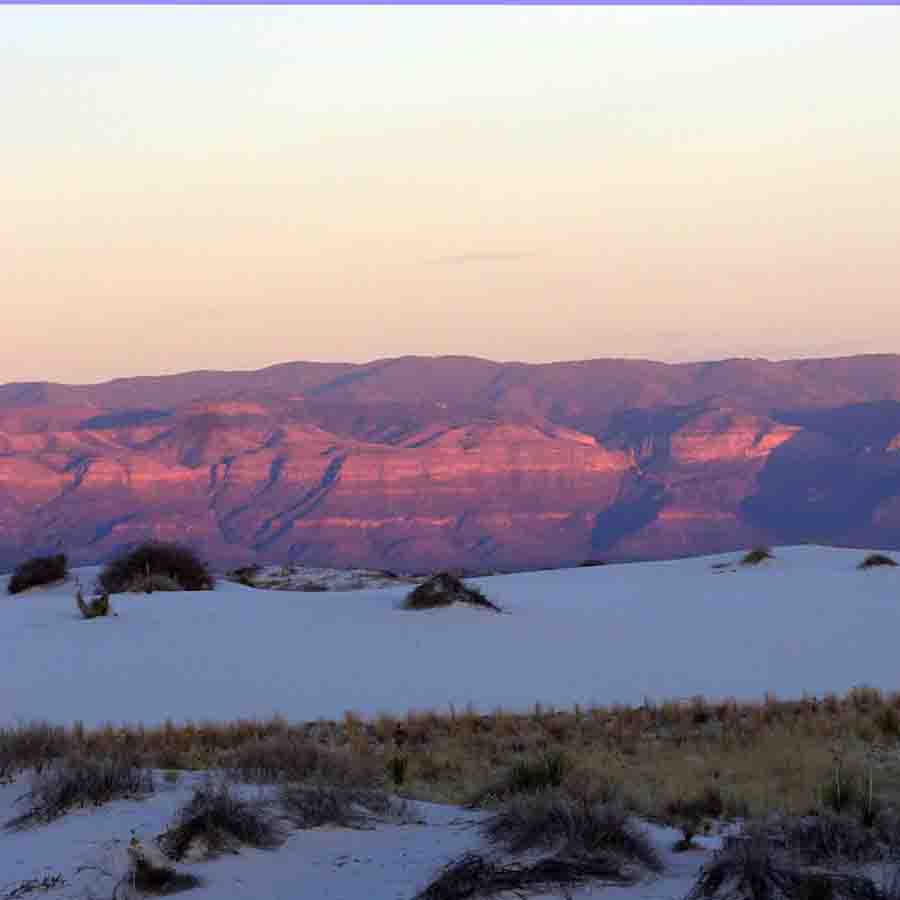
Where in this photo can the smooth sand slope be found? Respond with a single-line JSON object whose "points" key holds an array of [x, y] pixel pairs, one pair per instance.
{"points": [[806, 621]]}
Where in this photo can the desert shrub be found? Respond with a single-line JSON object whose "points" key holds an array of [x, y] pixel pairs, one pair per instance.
{"points": [[154, 581], [397, 766], [77, 781], [753, 867], [31, 746], [876, 559], [842, 791], [217, 819], [445, 589], [573, 826], [94, 607], [756, 556], [830, 838], [314, 805], [286, 757], [38, 571], [151, 875], [887, 720], [174, 561], [246, 575], [526, 776], [43, 884], [474, 875], [688, 813]]}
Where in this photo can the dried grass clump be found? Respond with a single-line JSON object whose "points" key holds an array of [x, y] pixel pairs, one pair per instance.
{"points": [[94, 607], [288, 757], [150, 874], [525, 776], [756, 556], [445, 589], [687, 812], [44, 884], [39, 571], [154, 581], [476, 876], [829, 838], [216, 819], [571, 826], [755, 866], [78, 781], [154, 558], [245, 575], [314, 805], [873, 560], [31, 746]]}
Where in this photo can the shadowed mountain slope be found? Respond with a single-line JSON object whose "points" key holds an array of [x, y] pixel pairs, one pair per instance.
{"points": [[415, 463]]}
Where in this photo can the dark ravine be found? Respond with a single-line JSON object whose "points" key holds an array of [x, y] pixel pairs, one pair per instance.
{"points": [[418, 463]]}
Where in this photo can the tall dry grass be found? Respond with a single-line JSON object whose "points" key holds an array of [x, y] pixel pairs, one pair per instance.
{"points": [[672, 761]]}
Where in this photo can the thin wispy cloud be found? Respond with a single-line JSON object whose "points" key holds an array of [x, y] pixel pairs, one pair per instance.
{"points": [[463, 259]]}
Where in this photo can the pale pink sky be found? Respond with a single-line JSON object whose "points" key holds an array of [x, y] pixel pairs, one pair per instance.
{"points": [[231, 187]]}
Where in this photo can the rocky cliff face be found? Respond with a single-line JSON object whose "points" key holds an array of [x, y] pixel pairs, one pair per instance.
{"points": [[418, 463]]}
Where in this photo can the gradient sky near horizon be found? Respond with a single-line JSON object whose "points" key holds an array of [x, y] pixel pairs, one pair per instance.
{"points": [[230, 187]]}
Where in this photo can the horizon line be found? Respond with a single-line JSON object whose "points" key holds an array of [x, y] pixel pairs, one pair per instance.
{"points": [[442, 357]]}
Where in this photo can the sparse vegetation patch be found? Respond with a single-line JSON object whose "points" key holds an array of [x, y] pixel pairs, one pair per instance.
{"points": [[873, 560], [756, 556], [152, 875], [34, 745], [474, 875], [755, 866], [216, 819], [78, 781], [572, 825], [245, 575], [148, 583], [94, 607], [42, 885], [147, 565], [658, 760], [313, 805], [39, 571], [444, 589], [290, 758], [526, 776]]}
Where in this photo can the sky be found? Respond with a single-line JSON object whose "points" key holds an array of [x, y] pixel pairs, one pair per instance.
{"points": [[230, 187]]}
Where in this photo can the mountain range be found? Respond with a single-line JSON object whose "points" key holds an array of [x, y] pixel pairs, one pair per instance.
{"points": [[417, 463]]}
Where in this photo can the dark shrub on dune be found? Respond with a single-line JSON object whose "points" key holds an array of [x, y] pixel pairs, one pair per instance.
{"points": [[756, 556], [445, 589], [475, 875], [287, 758], [162, 560], [574, 825], [876, 559], [79, 781], [755, 867], [38, 571], [31, 745], [218, 820]]}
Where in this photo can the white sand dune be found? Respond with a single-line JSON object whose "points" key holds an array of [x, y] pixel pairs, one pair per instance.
{"points": [[805, 621]]}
